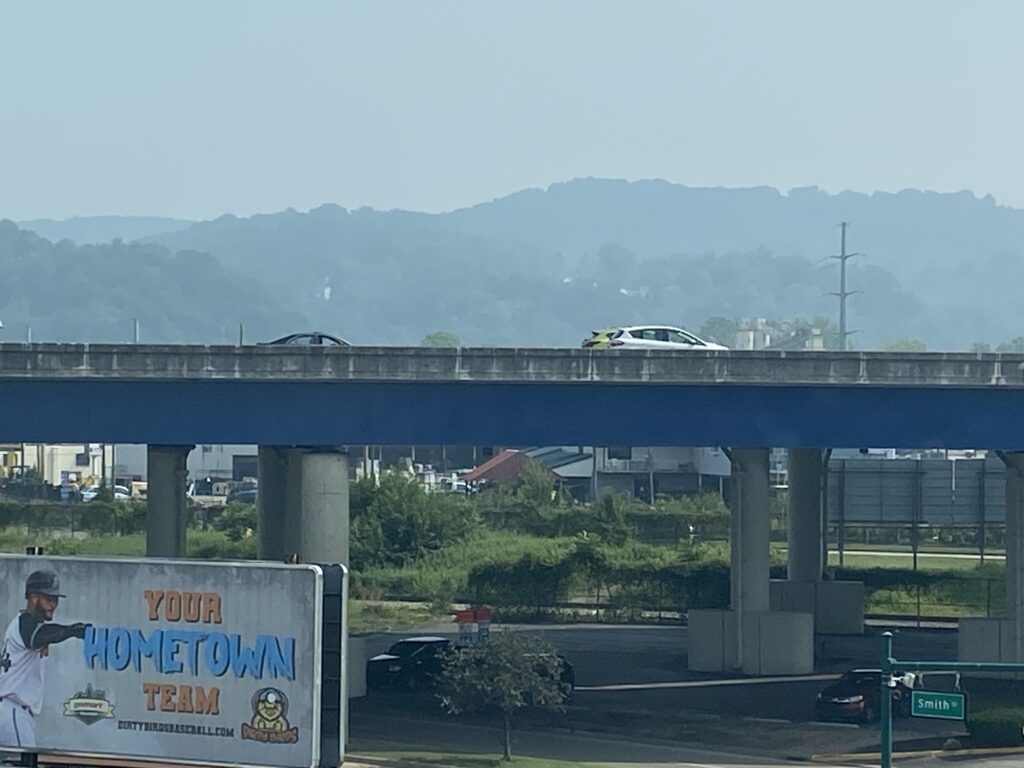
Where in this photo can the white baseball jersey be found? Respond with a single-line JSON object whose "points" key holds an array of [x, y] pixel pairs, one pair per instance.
{"points": [[21, 668]]}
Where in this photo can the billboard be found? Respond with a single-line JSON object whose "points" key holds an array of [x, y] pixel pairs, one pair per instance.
{"points": [[176, 661]]}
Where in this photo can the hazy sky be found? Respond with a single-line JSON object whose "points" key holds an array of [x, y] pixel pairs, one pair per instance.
{"points": [[196, 108]]}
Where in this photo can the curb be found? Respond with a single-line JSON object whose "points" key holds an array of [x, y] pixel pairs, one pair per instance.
{"points": [[952, 754], [386, 762]]}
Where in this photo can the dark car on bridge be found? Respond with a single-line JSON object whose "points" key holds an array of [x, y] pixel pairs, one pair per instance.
{"points": [[313, 339], [857, 695], [409, 664]]}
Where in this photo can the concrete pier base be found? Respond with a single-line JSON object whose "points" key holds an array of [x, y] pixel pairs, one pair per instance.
{"points": [[774, 642]]}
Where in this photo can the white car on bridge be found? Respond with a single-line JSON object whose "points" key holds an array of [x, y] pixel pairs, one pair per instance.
{"points": [[647, 337]]}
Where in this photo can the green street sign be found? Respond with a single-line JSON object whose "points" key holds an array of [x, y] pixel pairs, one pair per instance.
{"points": [[944, 706]]}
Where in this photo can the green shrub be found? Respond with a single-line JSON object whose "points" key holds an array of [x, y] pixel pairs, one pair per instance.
{"points": [[398, 522], [215, 545], [237, 521], [996, 727]]}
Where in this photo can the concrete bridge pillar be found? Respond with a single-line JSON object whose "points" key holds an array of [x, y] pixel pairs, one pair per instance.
{"points": [[1015, 555], [166, 508], [303, 508], [837, 606], [303, 505], [274, 537], [750, 636], [805, 515], [1002, 640], [323, 535], [749, 532]]}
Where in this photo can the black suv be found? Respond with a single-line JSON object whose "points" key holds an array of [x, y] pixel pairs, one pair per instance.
{"points": [[409, 664]]}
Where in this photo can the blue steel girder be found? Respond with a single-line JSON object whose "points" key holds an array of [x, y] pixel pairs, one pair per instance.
{"points": [[319, 412]]}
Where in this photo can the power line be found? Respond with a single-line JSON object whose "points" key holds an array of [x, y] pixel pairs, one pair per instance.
{"points": [[843, 294]]}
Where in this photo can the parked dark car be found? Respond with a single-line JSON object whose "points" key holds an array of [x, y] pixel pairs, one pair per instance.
{"points": [[415, 662], [409, 664], [314, 339], [857, 695], [567, 678], [243, 495]]}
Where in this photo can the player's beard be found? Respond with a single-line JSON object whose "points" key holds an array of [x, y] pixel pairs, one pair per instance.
{"points": [[39, 613]]}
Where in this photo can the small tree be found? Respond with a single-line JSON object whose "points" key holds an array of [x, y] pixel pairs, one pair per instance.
{"points": [[904, 345], [441, 339], [509, 672]]}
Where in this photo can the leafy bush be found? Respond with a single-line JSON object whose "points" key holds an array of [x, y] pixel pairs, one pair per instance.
{"points": [[215, 545], [237, 521], [400, 522], [996, 727]]}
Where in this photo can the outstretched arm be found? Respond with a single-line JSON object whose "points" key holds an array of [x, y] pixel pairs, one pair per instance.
{"points": [[37, 634]]}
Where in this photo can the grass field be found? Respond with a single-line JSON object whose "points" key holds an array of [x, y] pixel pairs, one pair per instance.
{"points": [[366, 618], [15, 541], [458, 759], [925, 562]]}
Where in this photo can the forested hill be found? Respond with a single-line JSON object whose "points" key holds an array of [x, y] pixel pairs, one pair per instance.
{"points": [[66, 292], [89, 230], [547, 266]]}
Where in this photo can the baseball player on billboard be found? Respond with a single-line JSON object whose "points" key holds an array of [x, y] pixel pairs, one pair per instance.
{"points": [[26, 644]]}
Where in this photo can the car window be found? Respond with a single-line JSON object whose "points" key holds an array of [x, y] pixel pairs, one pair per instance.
{"points": [[660, 334], [863, 680], [647, 334], [680, 337], [404, 649]]}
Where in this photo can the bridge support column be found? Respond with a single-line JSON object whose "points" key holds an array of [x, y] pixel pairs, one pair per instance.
{"points": [[1015, 555], [1002, 640], [837, 606], [323, 533], [303, 505], [805, 515], [274, 535], [750, 636], [166, 509], [749, 555]]}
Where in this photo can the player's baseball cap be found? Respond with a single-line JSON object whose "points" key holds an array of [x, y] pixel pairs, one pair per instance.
{"points": [[43, 583]]}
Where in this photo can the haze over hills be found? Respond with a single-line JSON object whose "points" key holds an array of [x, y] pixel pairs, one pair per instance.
{"points": [[91, 230], [543, 267], [67, 292]]}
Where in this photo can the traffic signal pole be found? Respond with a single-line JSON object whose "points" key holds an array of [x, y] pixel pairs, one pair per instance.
{"points": [[886, 710], [889, 664]]}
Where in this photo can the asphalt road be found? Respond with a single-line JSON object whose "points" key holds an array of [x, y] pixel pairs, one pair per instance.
{"points": [[633, 681], [610, 655]]}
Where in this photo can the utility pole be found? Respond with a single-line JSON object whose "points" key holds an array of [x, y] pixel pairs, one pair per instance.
{"points": [[844, 334]]}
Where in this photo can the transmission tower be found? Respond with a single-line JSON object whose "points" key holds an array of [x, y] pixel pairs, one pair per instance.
{"points": [[843, 294]]}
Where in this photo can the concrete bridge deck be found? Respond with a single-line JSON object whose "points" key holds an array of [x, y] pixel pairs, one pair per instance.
{"points": [[419, 364], [278, 395]]}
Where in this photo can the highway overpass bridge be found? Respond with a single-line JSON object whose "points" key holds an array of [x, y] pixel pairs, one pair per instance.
{"points": [[301, 405]]}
